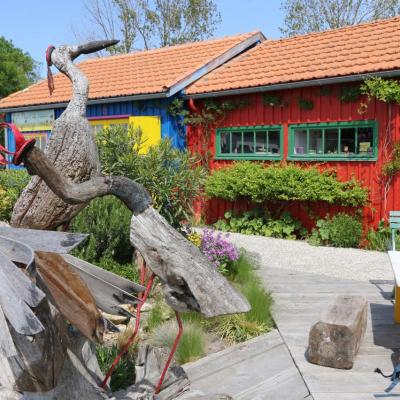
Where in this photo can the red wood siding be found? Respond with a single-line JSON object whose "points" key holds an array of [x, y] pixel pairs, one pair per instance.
{"points": [[326, 109]]}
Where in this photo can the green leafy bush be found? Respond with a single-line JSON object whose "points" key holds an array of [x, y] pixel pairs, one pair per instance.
{"points": [[12, 182], [173, 177], [278, 182], [107, 220], [256, 222], [342, 230], [380, 239]]}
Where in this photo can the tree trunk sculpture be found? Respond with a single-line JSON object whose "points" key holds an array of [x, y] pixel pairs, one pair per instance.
{"points": [[71, 148]]}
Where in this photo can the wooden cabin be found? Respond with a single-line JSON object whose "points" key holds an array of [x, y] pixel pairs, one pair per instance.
{"points": [[300, 103]]}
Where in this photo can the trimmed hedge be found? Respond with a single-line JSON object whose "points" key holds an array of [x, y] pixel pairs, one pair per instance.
{"points": [[279, 182]]}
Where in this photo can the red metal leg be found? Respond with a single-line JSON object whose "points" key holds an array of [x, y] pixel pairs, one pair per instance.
{"points": [[132, 338], [171, 355]]}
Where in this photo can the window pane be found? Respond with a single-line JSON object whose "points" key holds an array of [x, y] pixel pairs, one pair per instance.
{"points": [[365, 141], [237, 142], [248, 142], [331, 141], [300, 141], [225, 142], [348, 141], [261, 142], [273, 142], [315, 145]]}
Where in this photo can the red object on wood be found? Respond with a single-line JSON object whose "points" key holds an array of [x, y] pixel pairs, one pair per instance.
{"points": [[132, 338], [173, 350], [21, 144], [50, 79], [327, 108]]}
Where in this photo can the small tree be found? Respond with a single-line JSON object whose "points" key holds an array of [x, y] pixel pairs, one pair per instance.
{"points": [[304, 16], [17, 68]]}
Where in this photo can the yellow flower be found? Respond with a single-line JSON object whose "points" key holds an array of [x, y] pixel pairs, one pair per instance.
{"points": [[195, 238]]}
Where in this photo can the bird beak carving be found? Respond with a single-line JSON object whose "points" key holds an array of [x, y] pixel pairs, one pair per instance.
{"points": [[92, 47]]}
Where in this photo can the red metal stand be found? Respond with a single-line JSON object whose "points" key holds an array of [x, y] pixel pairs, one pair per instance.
{"points": [[132, 338], [143, 299], [171, 355]]}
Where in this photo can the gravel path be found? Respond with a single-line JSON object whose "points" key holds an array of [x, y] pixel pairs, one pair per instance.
{"points": [[362, 265]]}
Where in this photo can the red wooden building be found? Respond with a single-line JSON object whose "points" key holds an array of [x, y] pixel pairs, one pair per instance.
{"points": [[302, 106]]}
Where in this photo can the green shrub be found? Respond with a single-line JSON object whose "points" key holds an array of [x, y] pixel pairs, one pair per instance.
{"points": [[278, 182], [192, 343], [237, 328], [380, 239], [260, 223], [173, 177], [107, 221], [124, 373], [12, 182], [342, 230]]}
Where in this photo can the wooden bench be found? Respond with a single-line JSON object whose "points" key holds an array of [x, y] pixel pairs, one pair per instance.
{"points": [[394, 256]]}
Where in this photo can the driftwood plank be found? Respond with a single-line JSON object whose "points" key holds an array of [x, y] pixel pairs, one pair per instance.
{"points": [[51, 241], [18, 252], [109, 290], [71, 295], [17, 312], [7, 348], [22, 285]]}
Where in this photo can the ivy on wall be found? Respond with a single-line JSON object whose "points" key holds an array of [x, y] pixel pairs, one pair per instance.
{"points": [[387, 91], [210, 114]]}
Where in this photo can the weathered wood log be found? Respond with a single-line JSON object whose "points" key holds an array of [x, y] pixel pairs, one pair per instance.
{"points": [[190, 281], [335, 339], [132, 194], [71, 295], [71, 148]]}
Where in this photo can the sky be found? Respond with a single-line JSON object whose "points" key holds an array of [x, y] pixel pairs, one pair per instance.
{"points": [[34, 24]]}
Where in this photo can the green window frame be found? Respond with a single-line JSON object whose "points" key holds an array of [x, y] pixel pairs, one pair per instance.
{"points": [[334, 141], [260, 142]]}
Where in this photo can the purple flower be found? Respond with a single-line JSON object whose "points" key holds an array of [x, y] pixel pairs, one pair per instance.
{"points": [[218, 250]]}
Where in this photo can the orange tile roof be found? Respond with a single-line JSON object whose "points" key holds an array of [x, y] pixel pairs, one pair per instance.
{"points": [[364, 48], [144, 72]]}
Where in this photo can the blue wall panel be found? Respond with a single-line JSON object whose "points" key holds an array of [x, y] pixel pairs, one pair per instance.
{"points": [[157, 107]]}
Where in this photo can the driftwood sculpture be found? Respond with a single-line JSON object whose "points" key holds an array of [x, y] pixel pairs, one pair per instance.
{"points": [[190, 281]]}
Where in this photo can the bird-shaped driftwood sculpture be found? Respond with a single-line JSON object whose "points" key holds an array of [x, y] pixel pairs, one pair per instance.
{"points": [[71, 147]]}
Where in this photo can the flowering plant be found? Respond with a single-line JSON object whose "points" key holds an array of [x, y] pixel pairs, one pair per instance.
{"points": [[218, 250]]}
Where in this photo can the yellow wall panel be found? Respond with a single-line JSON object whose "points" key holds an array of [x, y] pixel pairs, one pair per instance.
{"points": [[151, 130]]}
